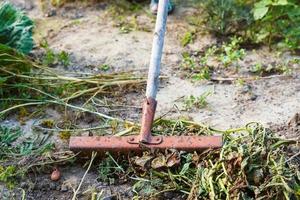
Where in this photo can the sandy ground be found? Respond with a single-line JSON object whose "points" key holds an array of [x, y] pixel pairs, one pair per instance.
{"points": [[89, 35], [94, 41]]}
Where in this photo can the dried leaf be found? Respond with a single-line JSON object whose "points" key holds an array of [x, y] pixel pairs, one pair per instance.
{"points": [[159, 162], [143, 161], [173, 159]]}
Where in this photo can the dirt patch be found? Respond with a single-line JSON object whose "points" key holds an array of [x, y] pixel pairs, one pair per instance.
{"points": [[290, 130]]}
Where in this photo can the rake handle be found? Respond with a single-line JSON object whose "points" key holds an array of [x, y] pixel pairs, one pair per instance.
{"points": [[157, 48], [149, 105]]}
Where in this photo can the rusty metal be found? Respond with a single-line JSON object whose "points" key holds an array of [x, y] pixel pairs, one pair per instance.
{"points": [[121, 144], [149, 107]]}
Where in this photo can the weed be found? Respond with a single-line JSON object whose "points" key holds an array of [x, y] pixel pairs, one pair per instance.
{"points": [[10, 148], [240, 82], [261, 21], [189, 62], [257, 68], [51, 58], [227, 16], [277, 20], [124, 14], [191, 101], [145, 187], [187, 38], [251, 157], [58, 3], [8, 176], [203, 74], [269, 69], [64, 135], [109, 169], [198, 68], [227, 55], [195, 20], [7, 137], [231, 52], [105, 67], [48, 123], [63, 58]]}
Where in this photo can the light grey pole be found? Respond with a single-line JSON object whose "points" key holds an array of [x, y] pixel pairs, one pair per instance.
{"points": [[157, 47]]}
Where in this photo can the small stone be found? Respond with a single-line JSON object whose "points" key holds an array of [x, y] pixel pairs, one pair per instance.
{"points": [[50, 13], [23, 185], [253, 97], [55, 176], [52, 186], [64, 188], [109, 197], [129, 193], [58, 188], [246, 89]]}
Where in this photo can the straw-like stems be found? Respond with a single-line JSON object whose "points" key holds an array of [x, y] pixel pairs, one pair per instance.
{"points": [[94, 154]]}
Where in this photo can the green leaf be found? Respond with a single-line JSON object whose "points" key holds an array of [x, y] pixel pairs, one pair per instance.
{"points": [[15, 28], [280, 3], [260, 12]]}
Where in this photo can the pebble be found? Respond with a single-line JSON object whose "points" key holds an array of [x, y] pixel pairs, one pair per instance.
{"points": [[55, 175], [64, 188], [253, 97], [52, 186], [246, 89]]}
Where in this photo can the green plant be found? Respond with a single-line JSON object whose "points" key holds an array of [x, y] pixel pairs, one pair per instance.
{"points": [[197, 66], [8, 136], [10, 147], [8, 176], [187, 38], [63, 58], [277, 68], [260, 21], [231, 52], [108, 169], [202, 74], [124, 14], [277, 20], [147, 187], [15, 28], [52, 58], [227, 16], [252, 164], [104, 67], [228, 54], [196, 102]]}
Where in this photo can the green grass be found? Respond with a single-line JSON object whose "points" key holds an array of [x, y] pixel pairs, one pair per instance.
{"points": [[192, 102], [252, 164], [51, 58]]}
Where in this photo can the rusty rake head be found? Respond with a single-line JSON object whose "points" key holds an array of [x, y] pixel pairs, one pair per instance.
{"points": [[144, 141]]}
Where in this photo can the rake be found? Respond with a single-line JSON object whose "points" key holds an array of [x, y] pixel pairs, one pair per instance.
{"points": [[145, 140]]}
